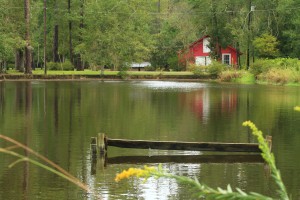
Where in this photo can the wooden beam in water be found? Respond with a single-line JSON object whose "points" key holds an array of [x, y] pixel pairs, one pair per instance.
{"points": [[184, 146]]}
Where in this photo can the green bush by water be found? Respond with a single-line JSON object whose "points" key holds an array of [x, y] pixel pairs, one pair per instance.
{"points": [[65, 66]]}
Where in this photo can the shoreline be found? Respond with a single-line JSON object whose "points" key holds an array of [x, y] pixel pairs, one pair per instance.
{"points": [[24, 77]]}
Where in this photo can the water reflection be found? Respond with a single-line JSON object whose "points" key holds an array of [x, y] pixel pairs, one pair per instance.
{"points": [[171, 85], [58, 119]]}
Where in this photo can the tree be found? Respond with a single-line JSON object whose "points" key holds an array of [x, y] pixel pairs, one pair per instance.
{"points": [[28, 48], [177, 29], [115, 33], [266, 46]]}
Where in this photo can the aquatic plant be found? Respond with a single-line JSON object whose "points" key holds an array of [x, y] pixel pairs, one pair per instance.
{"points": [[204, 191]]}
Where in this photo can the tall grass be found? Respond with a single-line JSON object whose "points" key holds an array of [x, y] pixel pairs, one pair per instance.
{"points": [[237, 76], [56, 169]]}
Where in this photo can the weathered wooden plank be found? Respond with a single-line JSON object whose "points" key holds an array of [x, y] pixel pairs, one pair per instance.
{"points": [[187, 146], [189, 159], [101, 143]]}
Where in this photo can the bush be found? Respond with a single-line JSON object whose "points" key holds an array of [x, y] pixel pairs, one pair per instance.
{"points": [[123, 72], [230, 75], [197, 70], [216, 68], [264, 65], [66, 66], [280, 76], [149, 68], [52, 66]]}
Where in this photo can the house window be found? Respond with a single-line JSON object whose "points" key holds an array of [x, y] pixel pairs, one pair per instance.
{"points": [[206, 48], [226, 59]]}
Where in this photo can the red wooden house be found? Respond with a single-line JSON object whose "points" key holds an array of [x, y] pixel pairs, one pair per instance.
{"points": [[199, 54]]}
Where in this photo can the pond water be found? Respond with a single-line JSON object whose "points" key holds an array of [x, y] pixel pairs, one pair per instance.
{"points": [[58, 118]]}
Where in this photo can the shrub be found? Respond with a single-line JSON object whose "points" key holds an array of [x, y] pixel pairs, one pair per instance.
{"points": [[264, 65], [216, 68], [280, 76], [149, 68], [123, 72], [197, 70], [67, 66], [230, 75], [52, 66]]}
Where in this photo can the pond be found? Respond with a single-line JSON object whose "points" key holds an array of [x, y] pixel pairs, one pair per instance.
{"points": [[58, 118]]}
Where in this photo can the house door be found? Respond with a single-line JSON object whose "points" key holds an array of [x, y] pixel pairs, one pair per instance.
{"points": [[202, 60]]}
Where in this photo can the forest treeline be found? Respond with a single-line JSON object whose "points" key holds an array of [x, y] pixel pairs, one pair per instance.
{"points": [[93, 33]]}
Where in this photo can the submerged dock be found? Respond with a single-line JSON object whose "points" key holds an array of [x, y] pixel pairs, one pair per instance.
{"points": [[101, 142]]}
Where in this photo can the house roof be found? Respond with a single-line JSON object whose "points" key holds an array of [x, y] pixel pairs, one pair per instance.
{"points": [[207, 36], [143, 64]]}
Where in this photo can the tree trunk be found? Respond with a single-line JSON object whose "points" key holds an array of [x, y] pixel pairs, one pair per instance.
{"points": [[45, 37], [70, 33], [19, 60], [28, 57], [55, 36], [55, 44], [79, 63]]}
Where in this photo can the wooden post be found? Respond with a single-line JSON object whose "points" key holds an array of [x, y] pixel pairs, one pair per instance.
{"points": [[93, 147], [269, 141], [101, 143]]}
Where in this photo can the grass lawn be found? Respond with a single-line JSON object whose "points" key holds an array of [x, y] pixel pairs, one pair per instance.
{"points": [[107, 72]]}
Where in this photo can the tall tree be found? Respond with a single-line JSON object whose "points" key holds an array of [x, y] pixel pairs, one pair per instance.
{"points": [[70, 32], [55, 34], [28, 48], [116, 32]]}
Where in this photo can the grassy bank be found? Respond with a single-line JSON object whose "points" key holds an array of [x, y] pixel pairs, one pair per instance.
{"points": [[90, 74]]}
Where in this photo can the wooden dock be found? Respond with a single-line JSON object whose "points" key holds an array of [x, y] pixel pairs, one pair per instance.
{"points": [[101, 142]]}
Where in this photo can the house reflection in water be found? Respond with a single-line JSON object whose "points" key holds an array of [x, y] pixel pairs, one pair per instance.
{"points": [[205, 104], [200, 104], [229, 101]]}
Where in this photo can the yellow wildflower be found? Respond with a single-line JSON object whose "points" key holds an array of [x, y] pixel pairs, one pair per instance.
{"points": [[297, 108], [134, 172]]}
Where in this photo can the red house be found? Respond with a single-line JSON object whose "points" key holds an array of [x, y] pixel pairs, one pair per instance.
{"points": [[199, 54]]}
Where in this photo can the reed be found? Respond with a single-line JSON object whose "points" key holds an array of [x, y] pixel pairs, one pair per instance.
{"points": [[56, 169]]}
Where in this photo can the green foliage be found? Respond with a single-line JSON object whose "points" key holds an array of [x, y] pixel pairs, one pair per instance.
{"points": [[264, 65], [197, 70], [280, 76], [115, 32], [238, 76], [215, 68], [149, 68], [52, 66], [123, 73], [269, 158], [65, 66], [266, 46], [230, 75]]}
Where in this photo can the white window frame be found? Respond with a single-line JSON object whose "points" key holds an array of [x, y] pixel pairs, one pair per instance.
{"points": [[206, 48], [223, 58]]}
